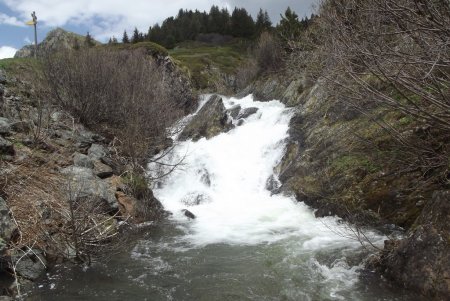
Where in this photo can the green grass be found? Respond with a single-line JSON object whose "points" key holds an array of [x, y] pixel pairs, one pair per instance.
{"points": [[205, 61], [223, 57], [348, 163]]}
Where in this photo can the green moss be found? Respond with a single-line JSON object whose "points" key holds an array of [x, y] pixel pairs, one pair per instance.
{"points": [[351, 162]]}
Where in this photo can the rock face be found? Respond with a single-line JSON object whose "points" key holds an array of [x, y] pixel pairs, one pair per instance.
{"points": [[58, 39], [211, 120], [84, 184], [422, 260]]}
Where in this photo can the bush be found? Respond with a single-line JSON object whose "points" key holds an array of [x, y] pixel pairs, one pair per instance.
{"points": [[268, 53], [118, 92]]}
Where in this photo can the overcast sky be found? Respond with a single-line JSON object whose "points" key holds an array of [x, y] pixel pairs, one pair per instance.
{"points": [[105, 18]]}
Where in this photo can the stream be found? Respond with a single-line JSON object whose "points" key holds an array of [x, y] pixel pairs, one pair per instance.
{"points": [[246, 243]]}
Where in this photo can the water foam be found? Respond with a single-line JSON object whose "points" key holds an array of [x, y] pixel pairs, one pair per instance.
{"points": [[223, 182]]}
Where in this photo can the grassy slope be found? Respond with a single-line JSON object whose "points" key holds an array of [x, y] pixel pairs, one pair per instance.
{"points": [[207, 63]]}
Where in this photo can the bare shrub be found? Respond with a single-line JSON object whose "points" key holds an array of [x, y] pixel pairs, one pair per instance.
{"points": [[122, 93], [268, 53], [391, 56], [246, 74]]}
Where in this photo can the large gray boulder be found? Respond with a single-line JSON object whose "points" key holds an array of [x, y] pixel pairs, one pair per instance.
{"points": [[84, 184], [211, 120]]}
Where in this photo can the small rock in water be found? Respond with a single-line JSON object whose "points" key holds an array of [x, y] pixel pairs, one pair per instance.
{"points": [[188, 214], [247, 112], [234, 111]]}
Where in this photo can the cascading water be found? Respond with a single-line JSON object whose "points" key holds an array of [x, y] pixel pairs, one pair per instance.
{"points": [[245, 242]]}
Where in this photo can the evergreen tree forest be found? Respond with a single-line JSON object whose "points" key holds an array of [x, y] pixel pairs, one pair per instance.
{"points": [[218, 22]]}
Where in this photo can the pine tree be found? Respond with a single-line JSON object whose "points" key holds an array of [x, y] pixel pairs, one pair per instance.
{"points": [[89, 42], [110, 41], [242, 24], [136, 37], [263, 22], [114, 40], [290, 27], [125, 38]]}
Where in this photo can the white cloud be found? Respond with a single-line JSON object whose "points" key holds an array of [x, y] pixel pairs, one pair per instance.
{"points": [[7, 52], [105, 18], [9, 20]]}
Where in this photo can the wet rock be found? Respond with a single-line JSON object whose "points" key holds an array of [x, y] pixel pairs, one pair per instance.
{"points": [[30, 266], [247, 112], [7, 226], [234, 111], [188, 214], [6, 147], [272, 184], [82, 160], [84, 184], [210, 121], [5, 126], [97, 151], [421, 260], [102, 171]]}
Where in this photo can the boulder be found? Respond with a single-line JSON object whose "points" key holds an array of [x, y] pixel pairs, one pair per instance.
{"points": [[82, 160], [211, 120], [421, 260], [84, 184], [102, 171], [6, 147], [97, 151], [247, 112], [31, 266], [5, 126], [7, 226]]}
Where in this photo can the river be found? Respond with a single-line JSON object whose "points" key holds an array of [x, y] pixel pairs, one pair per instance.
{"points": [[245, 243]]}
